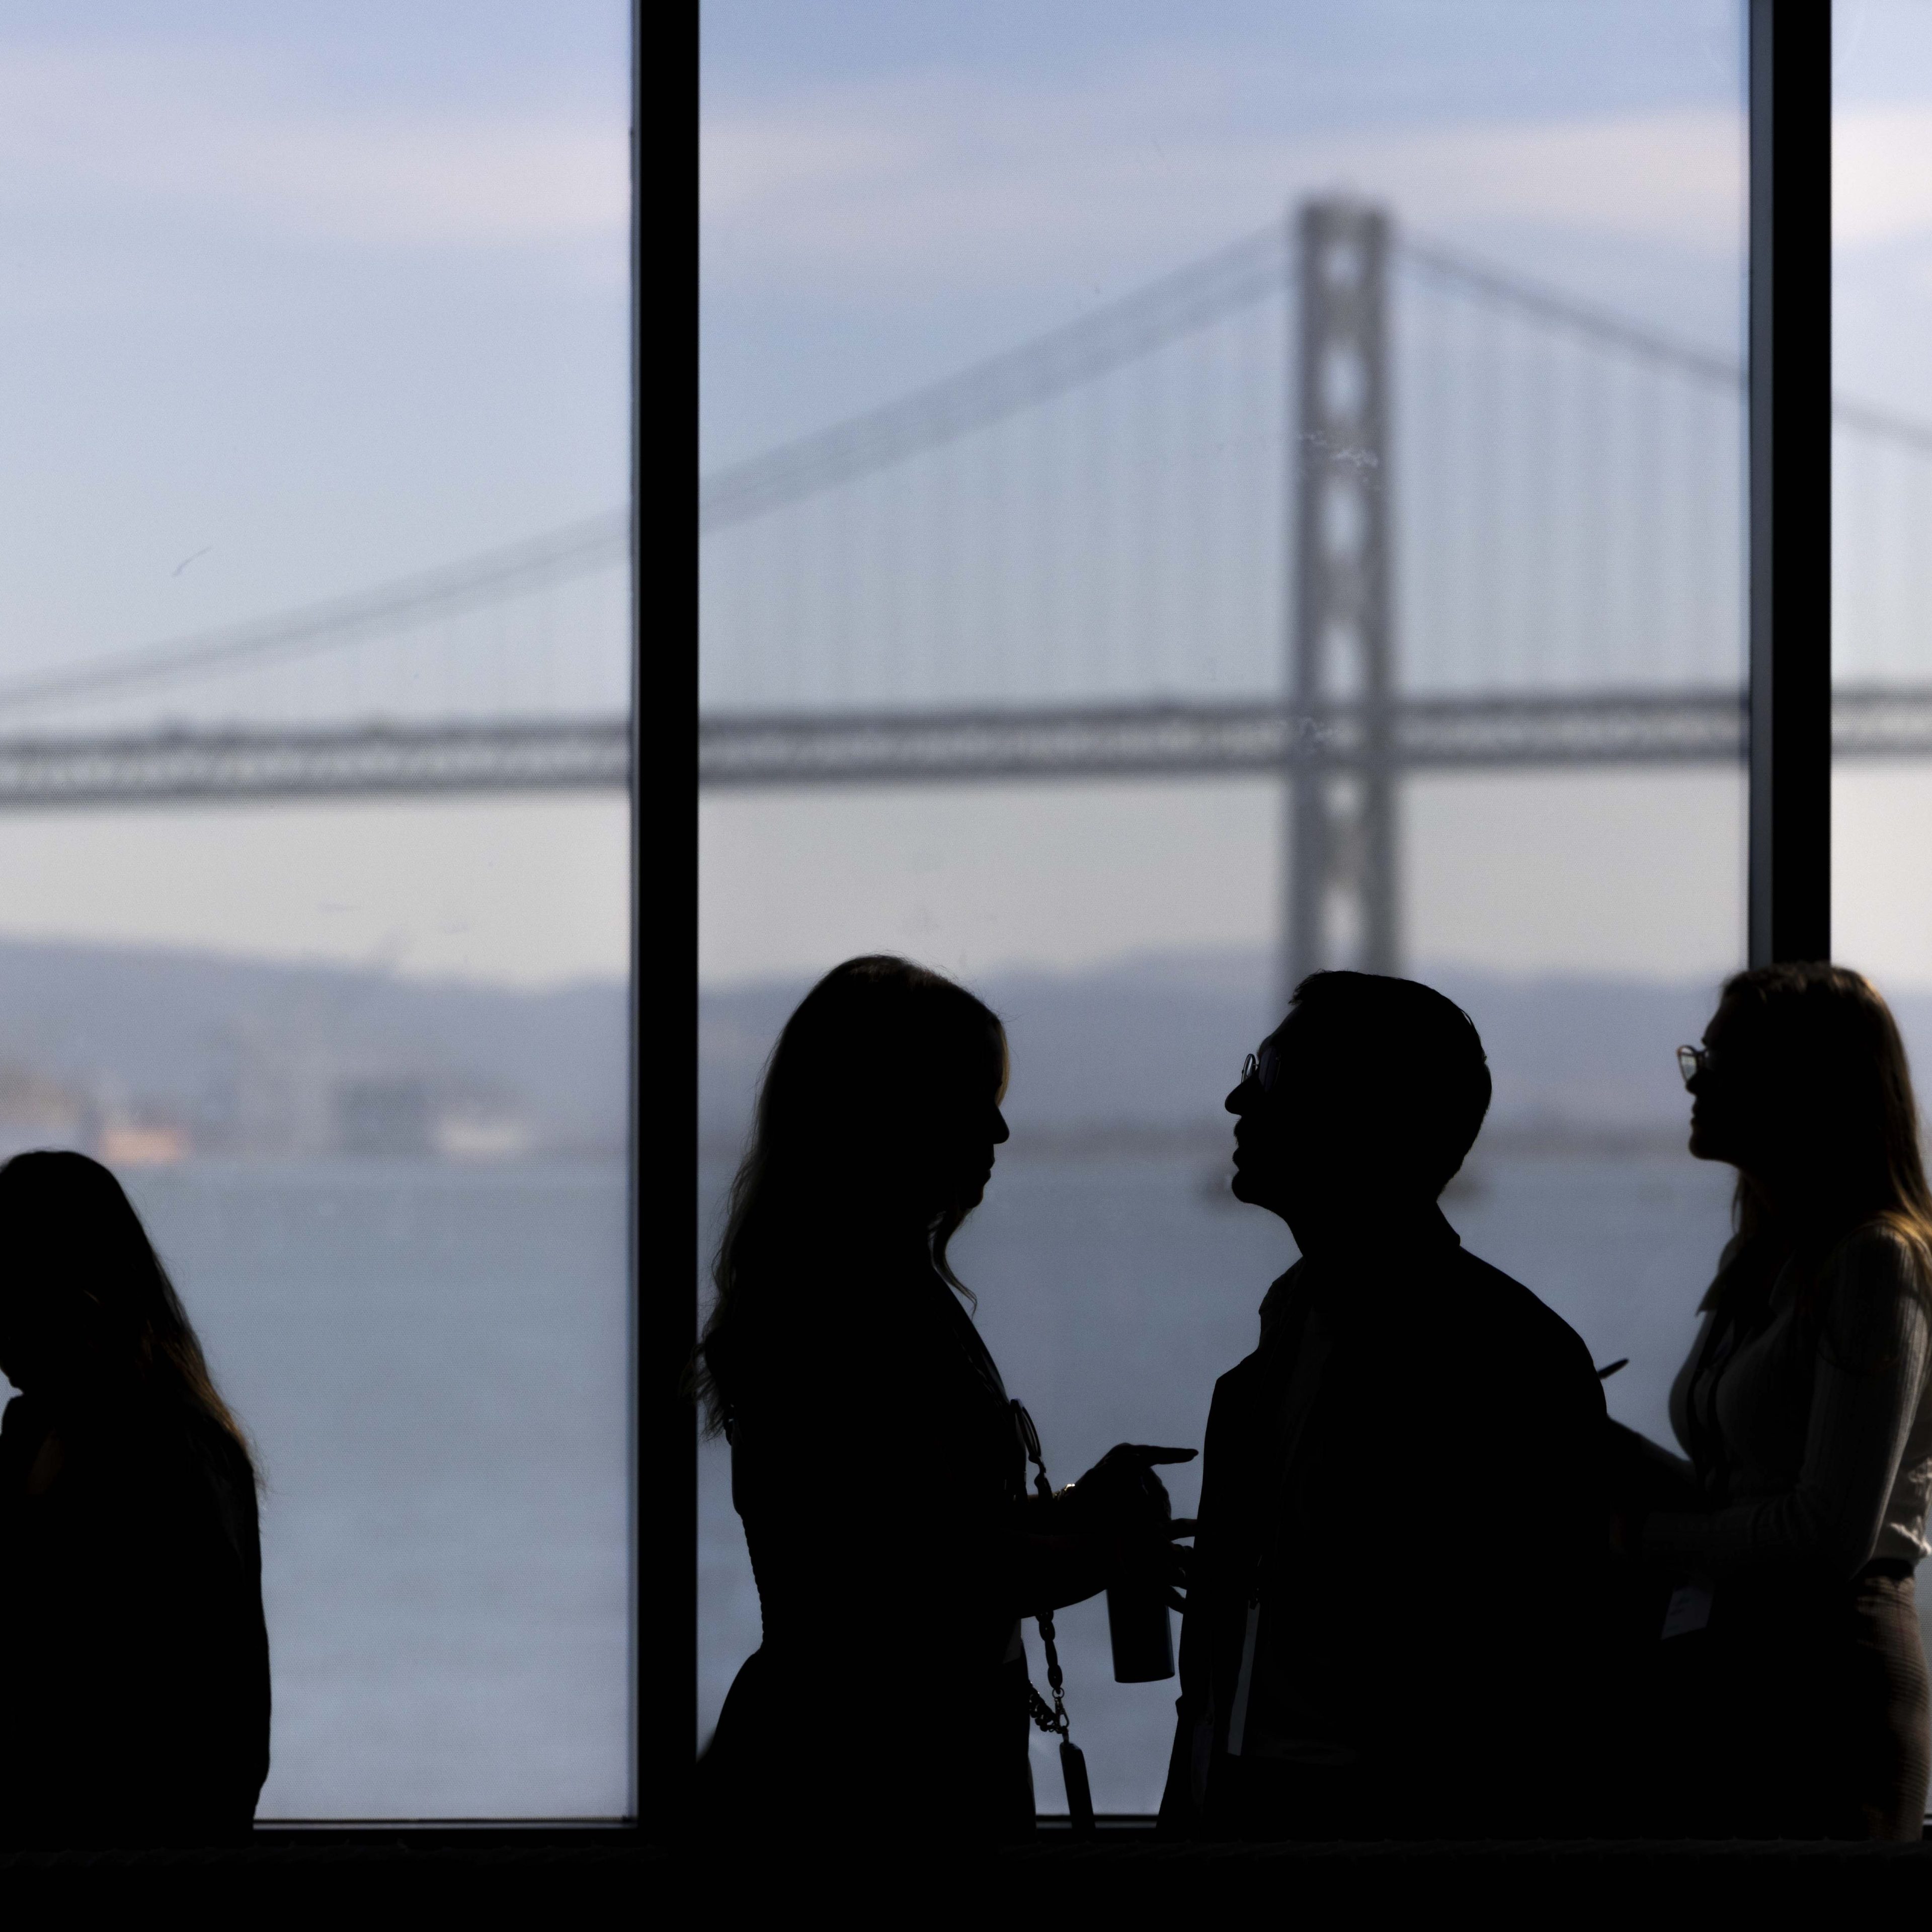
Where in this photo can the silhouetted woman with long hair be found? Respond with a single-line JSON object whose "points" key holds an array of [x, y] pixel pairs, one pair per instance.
{"points": [[134, 1657], [876, 1459], [1793, 1661]]}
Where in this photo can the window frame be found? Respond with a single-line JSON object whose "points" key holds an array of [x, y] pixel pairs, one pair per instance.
{"points": [[450, 1856], [1789, 268], [1788, 68], [664, 1685]]}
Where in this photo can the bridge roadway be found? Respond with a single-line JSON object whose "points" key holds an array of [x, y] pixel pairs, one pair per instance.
{"points": [[1176, 740], [182, 765], [189, 765]]}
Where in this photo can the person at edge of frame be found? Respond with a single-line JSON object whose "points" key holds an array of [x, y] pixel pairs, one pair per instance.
{"points": [[134, 1685], [1391, 1627], [877, 1461], [1784, 1693]]}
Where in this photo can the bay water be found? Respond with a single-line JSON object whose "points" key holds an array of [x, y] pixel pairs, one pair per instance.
{"points": [[1114, 1291], [433, 1362]]}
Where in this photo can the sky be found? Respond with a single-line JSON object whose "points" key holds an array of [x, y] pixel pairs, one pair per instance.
{"points": [[298, 298], [889, 193]]}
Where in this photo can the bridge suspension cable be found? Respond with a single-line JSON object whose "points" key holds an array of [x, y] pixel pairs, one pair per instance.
{"points": [[1340, 508], [1563, 310], [1165, 311], [531, 640], [1100, 516], [577, 550]]}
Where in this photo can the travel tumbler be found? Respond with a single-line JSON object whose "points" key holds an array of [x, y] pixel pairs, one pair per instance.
{"points": [[1142, 1632]]}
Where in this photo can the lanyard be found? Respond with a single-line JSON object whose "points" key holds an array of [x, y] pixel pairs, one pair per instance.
{"points": [[1052, 1718]]}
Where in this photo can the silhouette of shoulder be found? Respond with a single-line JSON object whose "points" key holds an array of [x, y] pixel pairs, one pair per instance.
{"points": [[1880, 1257], [1488, 1301], [1468, 1306], [1877, 1285]]}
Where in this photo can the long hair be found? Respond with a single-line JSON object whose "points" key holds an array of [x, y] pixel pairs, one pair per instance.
{"points": [[880, 1055], [1846, 1087], [81, 1272]]}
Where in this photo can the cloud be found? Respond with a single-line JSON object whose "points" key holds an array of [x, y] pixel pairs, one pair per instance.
{"points": [[1675, 176], [942, 179], [1881, 173], [242, 141]]}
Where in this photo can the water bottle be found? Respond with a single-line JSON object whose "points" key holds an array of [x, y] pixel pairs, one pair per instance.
{"points": [[1142, 1634]]}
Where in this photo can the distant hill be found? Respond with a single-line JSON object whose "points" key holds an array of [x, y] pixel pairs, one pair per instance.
{"points": [[1146, 1049], [253, 1056]]}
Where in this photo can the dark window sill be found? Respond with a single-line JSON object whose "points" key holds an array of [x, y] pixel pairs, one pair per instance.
{"points": [[1124, 1868]]}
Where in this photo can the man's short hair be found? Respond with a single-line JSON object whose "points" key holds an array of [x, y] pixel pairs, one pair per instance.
{"points": [[1413, 1063]]}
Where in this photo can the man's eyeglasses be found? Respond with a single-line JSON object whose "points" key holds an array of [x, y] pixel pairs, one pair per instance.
{"points": [[1693, 1060], [1260, 1069]]}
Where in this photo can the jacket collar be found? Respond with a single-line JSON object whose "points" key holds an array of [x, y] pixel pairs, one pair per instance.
{"points": [[1345, 1281]]}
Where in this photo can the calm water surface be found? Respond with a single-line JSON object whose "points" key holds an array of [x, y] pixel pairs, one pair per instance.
{"points": [[433, 1363]]}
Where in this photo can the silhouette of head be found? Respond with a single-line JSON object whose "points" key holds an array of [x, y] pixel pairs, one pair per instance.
{"points": [[1804, 1088], [877, 1121], [86, 1309], [1366, 1098]]}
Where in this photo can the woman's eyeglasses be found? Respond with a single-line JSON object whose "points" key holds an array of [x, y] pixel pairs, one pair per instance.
{"points": [[1261, 1069], [1693, 1060]]}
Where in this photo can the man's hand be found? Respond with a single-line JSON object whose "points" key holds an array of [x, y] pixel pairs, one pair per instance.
{"points": [[1122, 1506], [1121, 1491]]}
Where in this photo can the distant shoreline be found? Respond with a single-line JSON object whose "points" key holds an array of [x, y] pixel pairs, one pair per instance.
{"points": [[1209, 1140]]}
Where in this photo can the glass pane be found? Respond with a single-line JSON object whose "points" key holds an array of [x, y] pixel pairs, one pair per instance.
{"points": [[1881, 501], [1104, 407], [315, 677]]}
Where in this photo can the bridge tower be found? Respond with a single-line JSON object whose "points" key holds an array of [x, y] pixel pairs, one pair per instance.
{"points": [[1341, 888]]}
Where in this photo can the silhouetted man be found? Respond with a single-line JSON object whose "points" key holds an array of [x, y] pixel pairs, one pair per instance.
{"points": [[1389, 1627]]}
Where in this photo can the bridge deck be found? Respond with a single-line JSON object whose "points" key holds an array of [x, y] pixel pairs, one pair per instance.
{"points": [[1641, 728], [1605, 728], [184, 766]]}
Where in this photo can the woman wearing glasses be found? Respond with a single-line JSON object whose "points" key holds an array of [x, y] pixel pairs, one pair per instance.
{"points": [[877, 1461], [1791, 1645]]}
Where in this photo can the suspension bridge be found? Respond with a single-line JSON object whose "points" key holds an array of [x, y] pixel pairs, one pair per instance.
{"points": [[507, 671], [1337, 505]]}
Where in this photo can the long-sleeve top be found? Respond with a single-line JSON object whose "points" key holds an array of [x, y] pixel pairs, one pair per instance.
{"points": [[1397, 1535], [877, 1464], [1811, 1433], [135, 1654], [875, 1459]]}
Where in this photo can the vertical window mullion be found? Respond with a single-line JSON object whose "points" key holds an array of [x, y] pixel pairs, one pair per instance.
{"points": [[664, 1065], [1789, 65]]}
